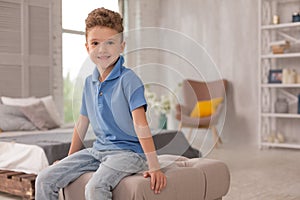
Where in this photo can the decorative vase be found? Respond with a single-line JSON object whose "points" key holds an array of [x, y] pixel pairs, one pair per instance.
{"points": [[281, 105], [172, 122], [276, 19], [298, 78], [285, 74], [292, 78], [163, 121]]}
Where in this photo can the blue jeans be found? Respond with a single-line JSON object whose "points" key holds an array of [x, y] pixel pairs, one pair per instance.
{"points": [[109, 166]]}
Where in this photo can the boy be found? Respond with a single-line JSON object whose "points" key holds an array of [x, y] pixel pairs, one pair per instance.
{"points": [[113, 102]]}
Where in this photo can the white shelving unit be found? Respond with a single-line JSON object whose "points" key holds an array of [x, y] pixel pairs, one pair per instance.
{"points": [[280, 85], [271, 124], [281, 26], [286, 55], [279, 115]]}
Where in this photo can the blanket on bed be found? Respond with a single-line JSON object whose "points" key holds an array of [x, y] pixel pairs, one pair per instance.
{"points": [[30, 159], [32, 152]]}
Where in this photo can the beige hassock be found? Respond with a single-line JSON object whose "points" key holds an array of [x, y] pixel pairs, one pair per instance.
{"points": [[188, 179]]}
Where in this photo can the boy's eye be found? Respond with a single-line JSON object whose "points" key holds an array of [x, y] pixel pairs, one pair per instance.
{"points": [[110, 42], [95, 43]]}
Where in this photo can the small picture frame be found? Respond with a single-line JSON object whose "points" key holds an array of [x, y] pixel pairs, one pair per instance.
{"points": [[275, 76]]}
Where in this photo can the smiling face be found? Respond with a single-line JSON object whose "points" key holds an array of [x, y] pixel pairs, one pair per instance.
{"points": [[104, 46]]}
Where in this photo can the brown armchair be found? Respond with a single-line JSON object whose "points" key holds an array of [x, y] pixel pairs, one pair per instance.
{"points": [[194, 91]]}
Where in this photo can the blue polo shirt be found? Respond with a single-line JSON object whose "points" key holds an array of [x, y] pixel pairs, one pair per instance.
{"points": [[108, 106]]}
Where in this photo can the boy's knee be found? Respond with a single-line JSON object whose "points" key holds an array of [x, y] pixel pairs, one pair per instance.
{"points": [[92, 187], [43, 175], [93, 190], [41, 183]]}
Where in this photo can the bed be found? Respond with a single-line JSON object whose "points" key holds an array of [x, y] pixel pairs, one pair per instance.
{"points": [[32, 151], [23, 154]]}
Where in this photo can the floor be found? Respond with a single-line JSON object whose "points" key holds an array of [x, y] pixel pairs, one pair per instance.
{"points": [[269, 174]]}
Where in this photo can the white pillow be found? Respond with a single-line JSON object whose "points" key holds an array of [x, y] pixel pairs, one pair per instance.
{"points": [[48, 101], [37, 113], [19, 101], [52, 109]]}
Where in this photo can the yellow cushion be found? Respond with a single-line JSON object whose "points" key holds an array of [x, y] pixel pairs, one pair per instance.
{"points": [[206, 108]]}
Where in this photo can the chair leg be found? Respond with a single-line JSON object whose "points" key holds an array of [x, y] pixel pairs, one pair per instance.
{"points": [[217, 139], [180, 126], [220, 140], [189, 136]]}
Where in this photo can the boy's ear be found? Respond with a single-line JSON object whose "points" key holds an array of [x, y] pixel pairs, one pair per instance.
{"points": [[123, 46], [87, 47]]}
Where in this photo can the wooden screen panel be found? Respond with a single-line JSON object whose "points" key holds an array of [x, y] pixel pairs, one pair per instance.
{"points": [[39, 30], [10, 81], [10, 27], [39, 81]]}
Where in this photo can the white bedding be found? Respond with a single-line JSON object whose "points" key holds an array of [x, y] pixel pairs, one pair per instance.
{"points": [[22, 157]]}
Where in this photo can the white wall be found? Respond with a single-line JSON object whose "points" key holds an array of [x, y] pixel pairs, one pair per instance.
{"points": [[228, 31]]}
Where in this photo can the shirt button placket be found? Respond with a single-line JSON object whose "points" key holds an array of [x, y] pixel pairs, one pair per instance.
{"points": [[100, 97]]}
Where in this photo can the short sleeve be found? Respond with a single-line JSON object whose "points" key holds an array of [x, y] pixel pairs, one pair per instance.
{"points": [[134, 91], [83, 110], [137, 99]]}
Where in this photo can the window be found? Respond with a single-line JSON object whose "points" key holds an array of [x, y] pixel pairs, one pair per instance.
{"points": [[74, 53]]}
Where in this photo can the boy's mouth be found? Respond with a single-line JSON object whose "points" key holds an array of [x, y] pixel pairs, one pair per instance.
{"points": [[103, 57]]}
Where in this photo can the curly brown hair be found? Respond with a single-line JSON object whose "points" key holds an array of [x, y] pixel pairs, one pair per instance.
{"points": [[104, 17]]}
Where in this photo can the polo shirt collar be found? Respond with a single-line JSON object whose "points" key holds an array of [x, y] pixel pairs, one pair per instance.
{"points": [[95, 75], [115, 73]]}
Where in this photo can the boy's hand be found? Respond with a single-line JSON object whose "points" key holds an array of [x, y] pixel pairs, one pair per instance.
{"points": [[158, 180], [55, 162]]}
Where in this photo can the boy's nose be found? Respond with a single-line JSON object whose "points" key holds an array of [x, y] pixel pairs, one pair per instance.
{"points": [[101, 47]]}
